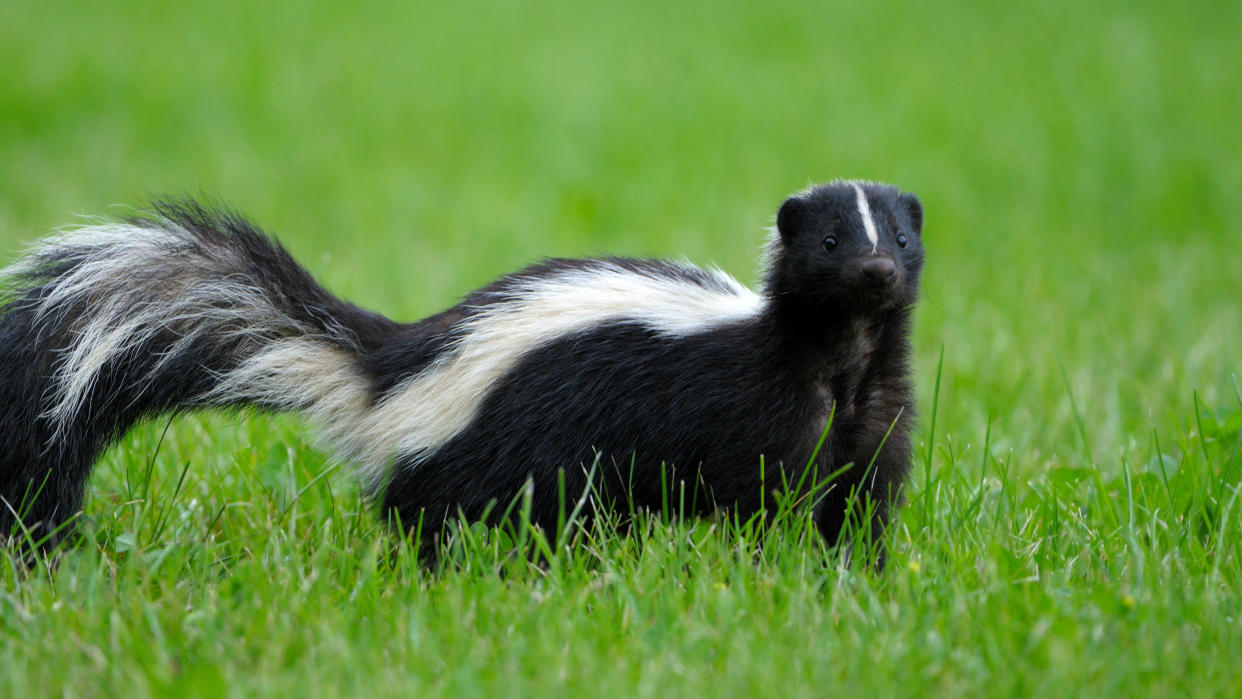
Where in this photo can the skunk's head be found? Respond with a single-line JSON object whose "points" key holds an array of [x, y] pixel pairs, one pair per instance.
{"points": [[847, 247]]}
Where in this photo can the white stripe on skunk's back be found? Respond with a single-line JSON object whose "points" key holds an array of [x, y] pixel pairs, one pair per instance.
{"points": [[439, 402], [604, 292], [442, 400]]}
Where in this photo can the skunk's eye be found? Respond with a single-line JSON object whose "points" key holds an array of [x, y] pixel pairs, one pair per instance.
{"points": [[901, 239], [830, 243]]}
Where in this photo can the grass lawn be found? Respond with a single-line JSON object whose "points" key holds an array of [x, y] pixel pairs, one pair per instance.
{"points": [[1074, 524]]}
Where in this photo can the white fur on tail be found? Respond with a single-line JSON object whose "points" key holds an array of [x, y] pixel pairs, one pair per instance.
{"points": [[131, 282]]}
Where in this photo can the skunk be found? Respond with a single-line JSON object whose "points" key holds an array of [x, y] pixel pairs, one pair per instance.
{"points": [[632, 379]]}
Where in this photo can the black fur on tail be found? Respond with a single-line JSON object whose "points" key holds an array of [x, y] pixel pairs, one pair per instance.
{"points": [[108, 324]]}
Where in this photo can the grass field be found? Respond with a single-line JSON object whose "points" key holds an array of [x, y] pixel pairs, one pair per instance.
{"points": [[1073, 526]]}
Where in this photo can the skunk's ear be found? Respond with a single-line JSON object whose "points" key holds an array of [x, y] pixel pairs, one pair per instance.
{"points": [[791, 217], [914, 209]]}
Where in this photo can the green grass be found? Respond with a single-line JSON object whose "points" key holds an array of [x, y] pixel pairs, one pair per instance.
{"points": [[1073, 525]]}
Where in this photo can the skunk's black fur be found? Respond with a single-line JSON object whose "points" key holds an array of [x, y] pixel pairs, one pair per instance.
{"points": [[628, 378]]}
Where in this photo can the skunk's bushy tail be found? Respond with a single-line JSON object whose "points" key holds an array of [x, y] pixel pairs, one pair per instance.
{"points": [[184, 307]]}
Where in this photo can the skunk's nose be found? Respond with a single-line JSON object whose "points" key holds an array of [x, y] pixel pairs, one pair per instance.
{"points": [[880, 270]]}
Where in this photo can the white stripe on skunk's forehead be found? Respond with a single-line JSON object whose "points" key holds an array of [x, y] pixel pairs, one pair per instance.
{"points": [[864, 210], [442, 400]]}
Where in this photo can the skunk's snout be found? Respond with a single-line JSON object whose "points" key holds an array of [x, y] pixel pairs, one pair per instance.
{"points": [[880, 270]]}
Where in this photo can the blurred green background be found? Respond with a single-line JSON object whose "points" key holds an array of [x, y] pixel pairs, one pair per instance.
{"points": [[1080, 165], [1079, 162]]}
